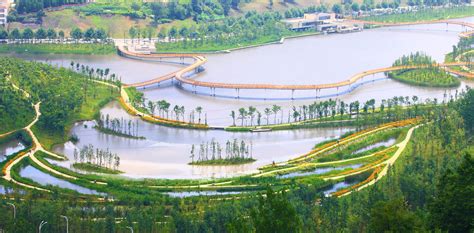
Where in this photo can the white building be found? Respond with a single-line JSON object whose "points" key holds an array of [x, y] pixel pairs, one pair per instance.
{"points": [[4, 5], [309, 21]]}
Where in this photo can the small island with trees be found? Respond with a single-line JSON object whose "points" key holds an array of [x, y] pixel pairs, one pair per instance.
{"points": [[431, 76], [92, 159], [211, 153]]}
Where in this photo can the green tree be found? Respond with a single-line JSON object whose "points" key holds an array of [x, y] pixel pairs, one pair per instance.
{"points": [[276, 214], [393, 216], [452, 209], [76, 34]]}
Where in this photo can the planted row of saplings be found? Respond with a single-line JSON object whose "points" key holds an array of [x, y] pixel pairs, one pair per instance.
{"points": [[347, 139], [160, 120], [365, 164], [355, 148], [373, 175], [386, 154]]}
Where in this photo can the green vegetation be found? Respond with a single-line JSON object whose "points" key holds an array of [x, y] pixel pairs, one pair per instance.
{"points": [[95, 168], [16, 109], [431, 76], [348, 152], [97, 49], [251, 29], [66, 96], [425, 14]]}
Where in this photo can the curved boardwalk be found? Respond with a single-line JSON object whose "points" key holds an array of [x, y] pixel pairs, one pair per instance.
{"points": [[200, 60]]}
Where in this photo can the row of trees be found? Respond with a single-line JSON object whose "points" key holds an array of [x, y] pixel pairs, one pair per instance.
{"points": [[95, 156], [163, 109], [211, 151], [227, 32], [418, 58], [318, 110], [97, 73], [28, 6], [41, 34]]}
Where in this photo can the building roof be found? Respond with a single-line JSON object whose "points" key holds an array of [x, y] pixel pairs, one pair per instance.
{"points": [[4, 3]]}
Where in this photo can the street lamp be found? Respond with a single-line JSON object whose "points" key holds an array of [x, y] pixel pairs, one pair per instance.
{"points": [[131, 229], [14, 209], [41, 225], [67, 223]]}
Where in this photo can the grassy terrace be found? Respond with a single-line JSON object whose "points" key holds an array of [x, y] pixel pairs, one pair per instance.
{"points": [[231, 161], [425, 15], [95, 168], [86, 49]]}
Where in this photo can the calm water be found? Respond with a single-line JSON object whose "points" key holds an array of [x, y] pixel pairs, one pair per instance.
{"points": [[10, 148], [166, 151], [318, 59], [42, 178]]}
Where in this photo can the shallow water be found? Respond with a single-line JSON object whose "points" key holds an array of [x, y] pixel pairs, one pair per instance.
{"points": [[44, 179], [318, 171], [10, 148], [338, 186]]}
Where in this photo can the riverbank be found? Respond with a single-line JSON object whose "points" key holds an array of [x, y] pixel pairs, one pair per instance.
{"points": [[88, 167], [177, 47], [82, 49]]}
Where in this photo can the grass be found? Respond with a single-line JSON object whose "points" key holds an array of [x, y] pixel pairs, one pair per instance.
{"points": [[95, 168], [99, 49], [232, 161], [433, 77], [424, 15]]}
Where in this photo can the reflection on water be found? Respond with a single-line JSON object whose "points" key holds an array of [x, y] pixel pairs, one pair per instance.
{"points": [[200, 193], [375, 145], [10, 148], [338, 186], [44, 179], [166, 151], [319, 171]]}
